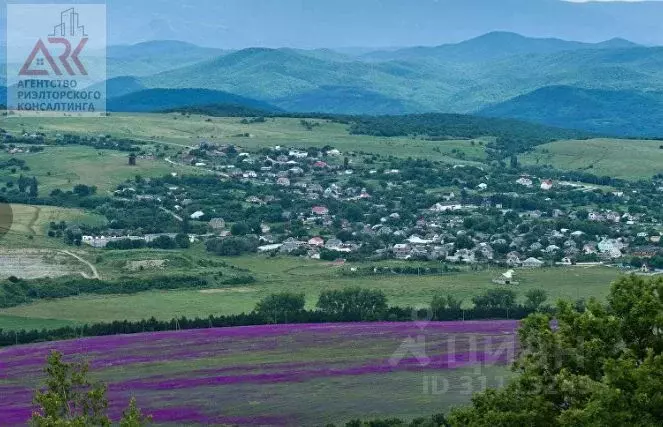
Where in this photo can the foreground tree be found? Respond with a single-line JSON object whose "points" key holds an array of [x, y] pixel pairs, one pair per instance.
{"points": [[70, 400], [598, 366]]}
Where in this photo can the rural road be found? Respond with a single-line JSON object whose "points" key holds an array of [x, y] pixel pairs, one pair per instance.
{"points": [[177, 217], [95, 273]]}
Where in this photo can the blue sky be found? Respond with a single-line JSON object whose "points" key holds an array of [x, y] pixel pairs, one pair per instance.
{"points": [[237, 24]]}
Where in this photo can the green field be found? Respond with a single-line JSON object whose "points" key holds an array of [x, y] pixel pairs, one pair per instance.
{"points": [[618, 158], [311, 277], [64, 167], [18, 323], [187, 131], [30, 225]]}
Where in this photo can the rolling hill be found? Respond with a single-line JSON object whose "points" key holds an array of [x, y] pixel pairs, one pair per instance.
{"points": [[623, 113], [168, 99], [153, 57]]}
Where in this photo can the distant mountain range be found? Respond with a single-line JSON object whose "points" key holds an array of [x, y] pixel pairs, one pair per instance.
{"points": [[492, 46], [606, 87], [236, 24]]}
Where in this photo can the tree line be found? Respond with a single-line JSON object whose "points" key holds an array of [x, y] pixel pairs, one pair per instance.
{"points": [[333, 306]]}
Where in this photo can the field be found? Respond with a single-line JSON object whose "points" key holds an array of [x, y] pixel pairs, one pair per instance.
{"points": [[278, 375], [64, 167], [310, 277], [627, 159], [186, 131]]}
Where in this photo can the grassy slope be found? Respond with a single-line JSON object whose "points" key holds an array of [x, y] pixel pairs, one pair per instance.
{"points": [[64, 167], [629, 159], [186, 131], [310, 277]]}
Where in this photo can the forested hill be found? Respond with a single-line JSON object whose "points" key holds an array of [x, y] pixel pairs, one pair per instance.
{"points": [[512, 135]]}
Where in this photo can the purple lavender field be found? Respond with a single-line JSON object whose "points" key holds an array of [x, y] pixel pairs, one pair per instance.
{"points": [[278, 374]]}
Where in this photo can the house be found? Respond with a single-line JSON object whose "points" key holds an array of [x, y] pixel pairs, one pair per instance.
{"points": [[402, 251], [523, 180], [197, 215], [290, 245], [254, 200], [320, 164], [217, 224], [333, 244], [298, 154], [446, 207], [320, 210], [546, 184], [269, 248], [513, 259], [595, 216], [317, 241], [532, 263], [589, 248], [646, 251], [416, 240], [552, 248], [284, 182]]}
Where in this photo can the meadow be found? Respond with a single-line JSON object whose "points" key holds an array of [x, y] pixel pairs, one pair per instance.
{"points": [[186, 131], [285, 274], [278, 374], [617, 158], [63, 167]]}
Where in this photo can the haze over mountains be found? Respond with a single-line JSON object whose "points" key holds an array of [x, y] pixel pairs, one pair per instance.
{"points": [[309, 24], [614, 83], [613, 86]]}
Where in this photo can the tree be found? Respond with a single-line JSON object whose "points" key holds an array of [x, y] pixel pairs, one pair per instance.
{"points": [[534, 299], [240, 229], [33, 190], [496, 298], [353, 303], [442, 303], [599, 365], [163, 242], [182, 241], [281, 306], [133, 417], [70, 400]]}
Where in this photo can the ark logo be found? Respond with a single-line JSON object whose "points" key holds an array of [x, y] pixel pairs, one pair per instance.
{"points": [[68, 27], [56, 59]]}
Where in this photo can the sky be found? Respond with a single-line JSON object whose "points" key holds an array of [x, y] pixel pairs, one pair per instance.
{"points": [[236, 24]]}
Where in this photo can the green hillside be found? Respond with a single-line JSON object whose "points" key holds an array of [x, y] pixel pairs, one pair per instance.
{"points": [[150, 100], [623, 113]]}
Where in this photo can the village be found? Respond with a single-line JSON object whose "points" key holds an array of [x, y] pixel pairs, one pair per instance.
{"points": [[325, 204]]}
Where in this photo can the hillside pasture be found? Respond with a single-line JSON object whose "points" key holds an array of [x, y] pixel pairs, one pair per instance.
{"points": [[63, 167], [311, 278], [617, 158], [184, 131]]}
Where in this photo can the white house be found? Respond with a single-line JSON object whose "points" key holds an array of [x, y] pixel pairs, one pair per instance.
{"points": [[532, 263], [197, 215]]}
